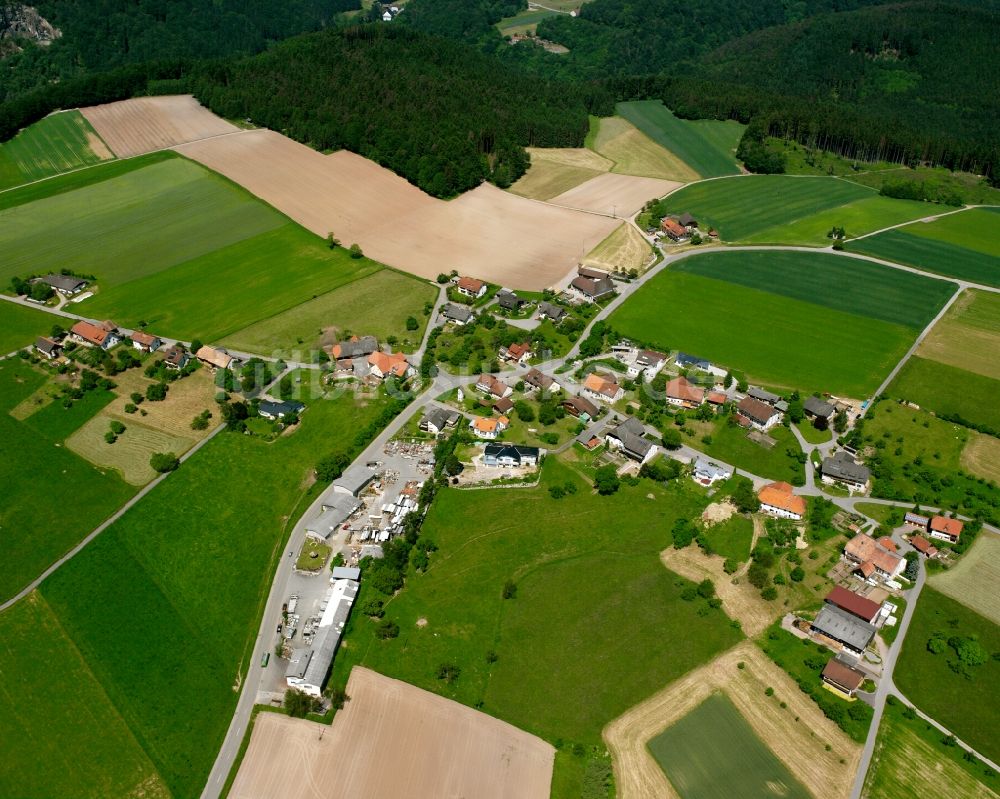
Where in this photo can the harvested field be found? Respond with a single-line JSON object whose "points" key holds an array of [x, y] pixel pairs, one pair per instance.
{"points": [[623, 250], [634, 153], [981, 456], [438, 748], [975, 580], [487, 232], [144, 124], [741, 602], [968, 337], [617, 195], [554, 171], [800, 745]]}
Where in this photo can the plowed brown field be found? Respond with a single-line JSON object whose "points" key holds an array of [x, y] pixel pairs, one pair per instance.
{"points": [[393, 741], [488, 233]]}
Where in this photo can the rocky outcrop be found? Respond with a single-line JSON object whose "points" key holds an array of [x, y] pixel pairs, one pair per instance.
{"points": [[20, 23]]}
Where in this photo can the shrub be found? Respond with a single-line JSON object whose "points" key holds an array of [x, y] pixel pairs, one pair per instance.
{"points": [[157, 392], [770, 593], [164, 462], [509, 590], [448, 672], [117, 427], [386, 630]]}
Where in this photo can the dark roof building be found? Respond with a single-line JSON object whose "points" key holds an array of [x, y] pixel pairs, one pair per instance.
{"points": [[687, 220], [763, 395], [456, 313], [279, 410], [537, 379], [686, 361], [510, 455], [629, 438], [48, 347], [438, 419], [509, 300], [549, 310], [847, 630], [842, 468], [843, 677], [354, 348], [65, 284], [593, 288], [579, 406], [758, 413], [814, 406], [176, 357]]}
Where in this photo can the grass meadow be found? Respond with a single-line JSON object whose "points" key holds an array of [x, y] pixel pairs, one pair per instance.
{"points": [[58, 717], [20, 326], [966, 705], [968, 336], [39, 525], [975, 229], [949, 391], [58, 143], [707, 146], [934, 255], [731, 538], [780, 341], [714, 753], [974, 579], [633, 152], [596, 624]]}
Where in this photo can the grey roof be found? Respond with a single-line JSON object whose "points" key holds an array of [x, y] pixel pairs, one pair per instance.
{"points": [[337, 509], [818, 407], [711, 469], [354, 479], [683, 359], [515, 451], [285, 408], [439, 418], [509, 299], [345, 573], [842, 467], [457, 313], [298, 663], [842, 626], [763, 395], [630, 433], [365, 345], [551, 311], [65, 282], [328, 637], [46, 345], [686, 219], [632, 425]]}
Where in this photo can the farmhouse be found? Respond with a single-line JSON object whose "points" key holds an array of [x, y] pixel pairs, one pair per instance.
{"points": [[353, 348], [470, 287], [674, 229], [589, 271], [687, 220], [500, 455], [176, 357], [916, 520], [534, 380], [144, 342], [488, 428], [841, 630], [628, 439], [815, 408], [217, 358], [592, 289], [307, 669], [872, 558], [759, 415], [508, 300], [945, 529], [493, 386], [386, 364], [67, 285], [887, 543], [778, 500], [602, 388], [842, 468], [580, 407], [853, 603], [457, 314], [516, 353], [48, 348], [923, 546], [683, 393], [843, 678], [437, 420], [706, 472], [503, 406], [279, 410], [551, 311], [103, 334]]}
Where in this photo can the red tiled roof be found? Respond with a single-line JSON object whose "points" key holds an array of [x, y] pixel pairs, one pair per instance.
{"points": [[673, 226], [844, 676], [716, 397], [864, 548], [887, 543], [923, 546], [601, 385], [518, 351], [756, 410], [680, 388], [853, 603], [951, 527], [470, 284], [779, 495], [389, 363], [90, 332], [143, 338]]}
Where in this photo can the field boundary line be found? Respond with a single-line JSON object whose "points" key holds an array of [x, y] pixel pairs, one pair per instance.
{"points": [[931, 218]]}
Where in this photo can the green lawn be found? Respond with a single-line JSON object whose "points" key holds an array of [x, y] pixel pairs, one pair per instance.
{"points": [[596, 625], [713, 753], [226, 290], [132, 225], [37, 526], [742, 207], [731, 538], [707, 146], [843, 284], [933, 255], [396, 295], [969, 705], [164, 605], [811, 434], [61, 736], [949, 391], [20, 326], [730, 444], [776, 340], [58, 143], [975, 229]]}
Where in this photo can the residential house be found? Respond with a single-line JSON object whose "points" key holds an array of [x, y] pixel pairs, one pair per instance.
{"points": [[103, 334], [674, 229], [855, 604], [389, 364], [144, 342], [923, 546], [551, 311], [628, 438], [602, 388], [649, 362], [843, 678], [535, 380], [945, 529], [684, 394], [843, 469], [176, 357], [67, 285], [493, 386], [508, 300], [48, 348], [706, 472], [518, 352], [457, 314], [437, 420], [815, 408], [778, 500], [488, 428], [686, 361], [716, 399], [759, 415], [215, 357], [510, 455], [916, 520], [592, 289], [768, 397], [503, 406], [873, 559], [471, 287], [842, 630], [580, 407], [270, 409], [354, 347]]}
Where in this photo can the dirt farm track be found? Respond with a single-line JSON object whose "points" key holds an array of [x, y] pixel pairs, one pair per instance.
{"points": [[437, 748]]}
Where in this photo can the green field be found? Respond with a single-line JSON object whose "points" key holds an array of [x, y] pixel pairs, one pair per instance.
{"points": [[974, 229], [58, 717], [594, 628], [779, 341], [713, 753], [731, 445], [967, 704], [185, 574], [707, 146], [348, 308], [731, 538], [58, 143], [949, 391], [20, 326], [526, 20], [39, 527], [133, 225]]}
